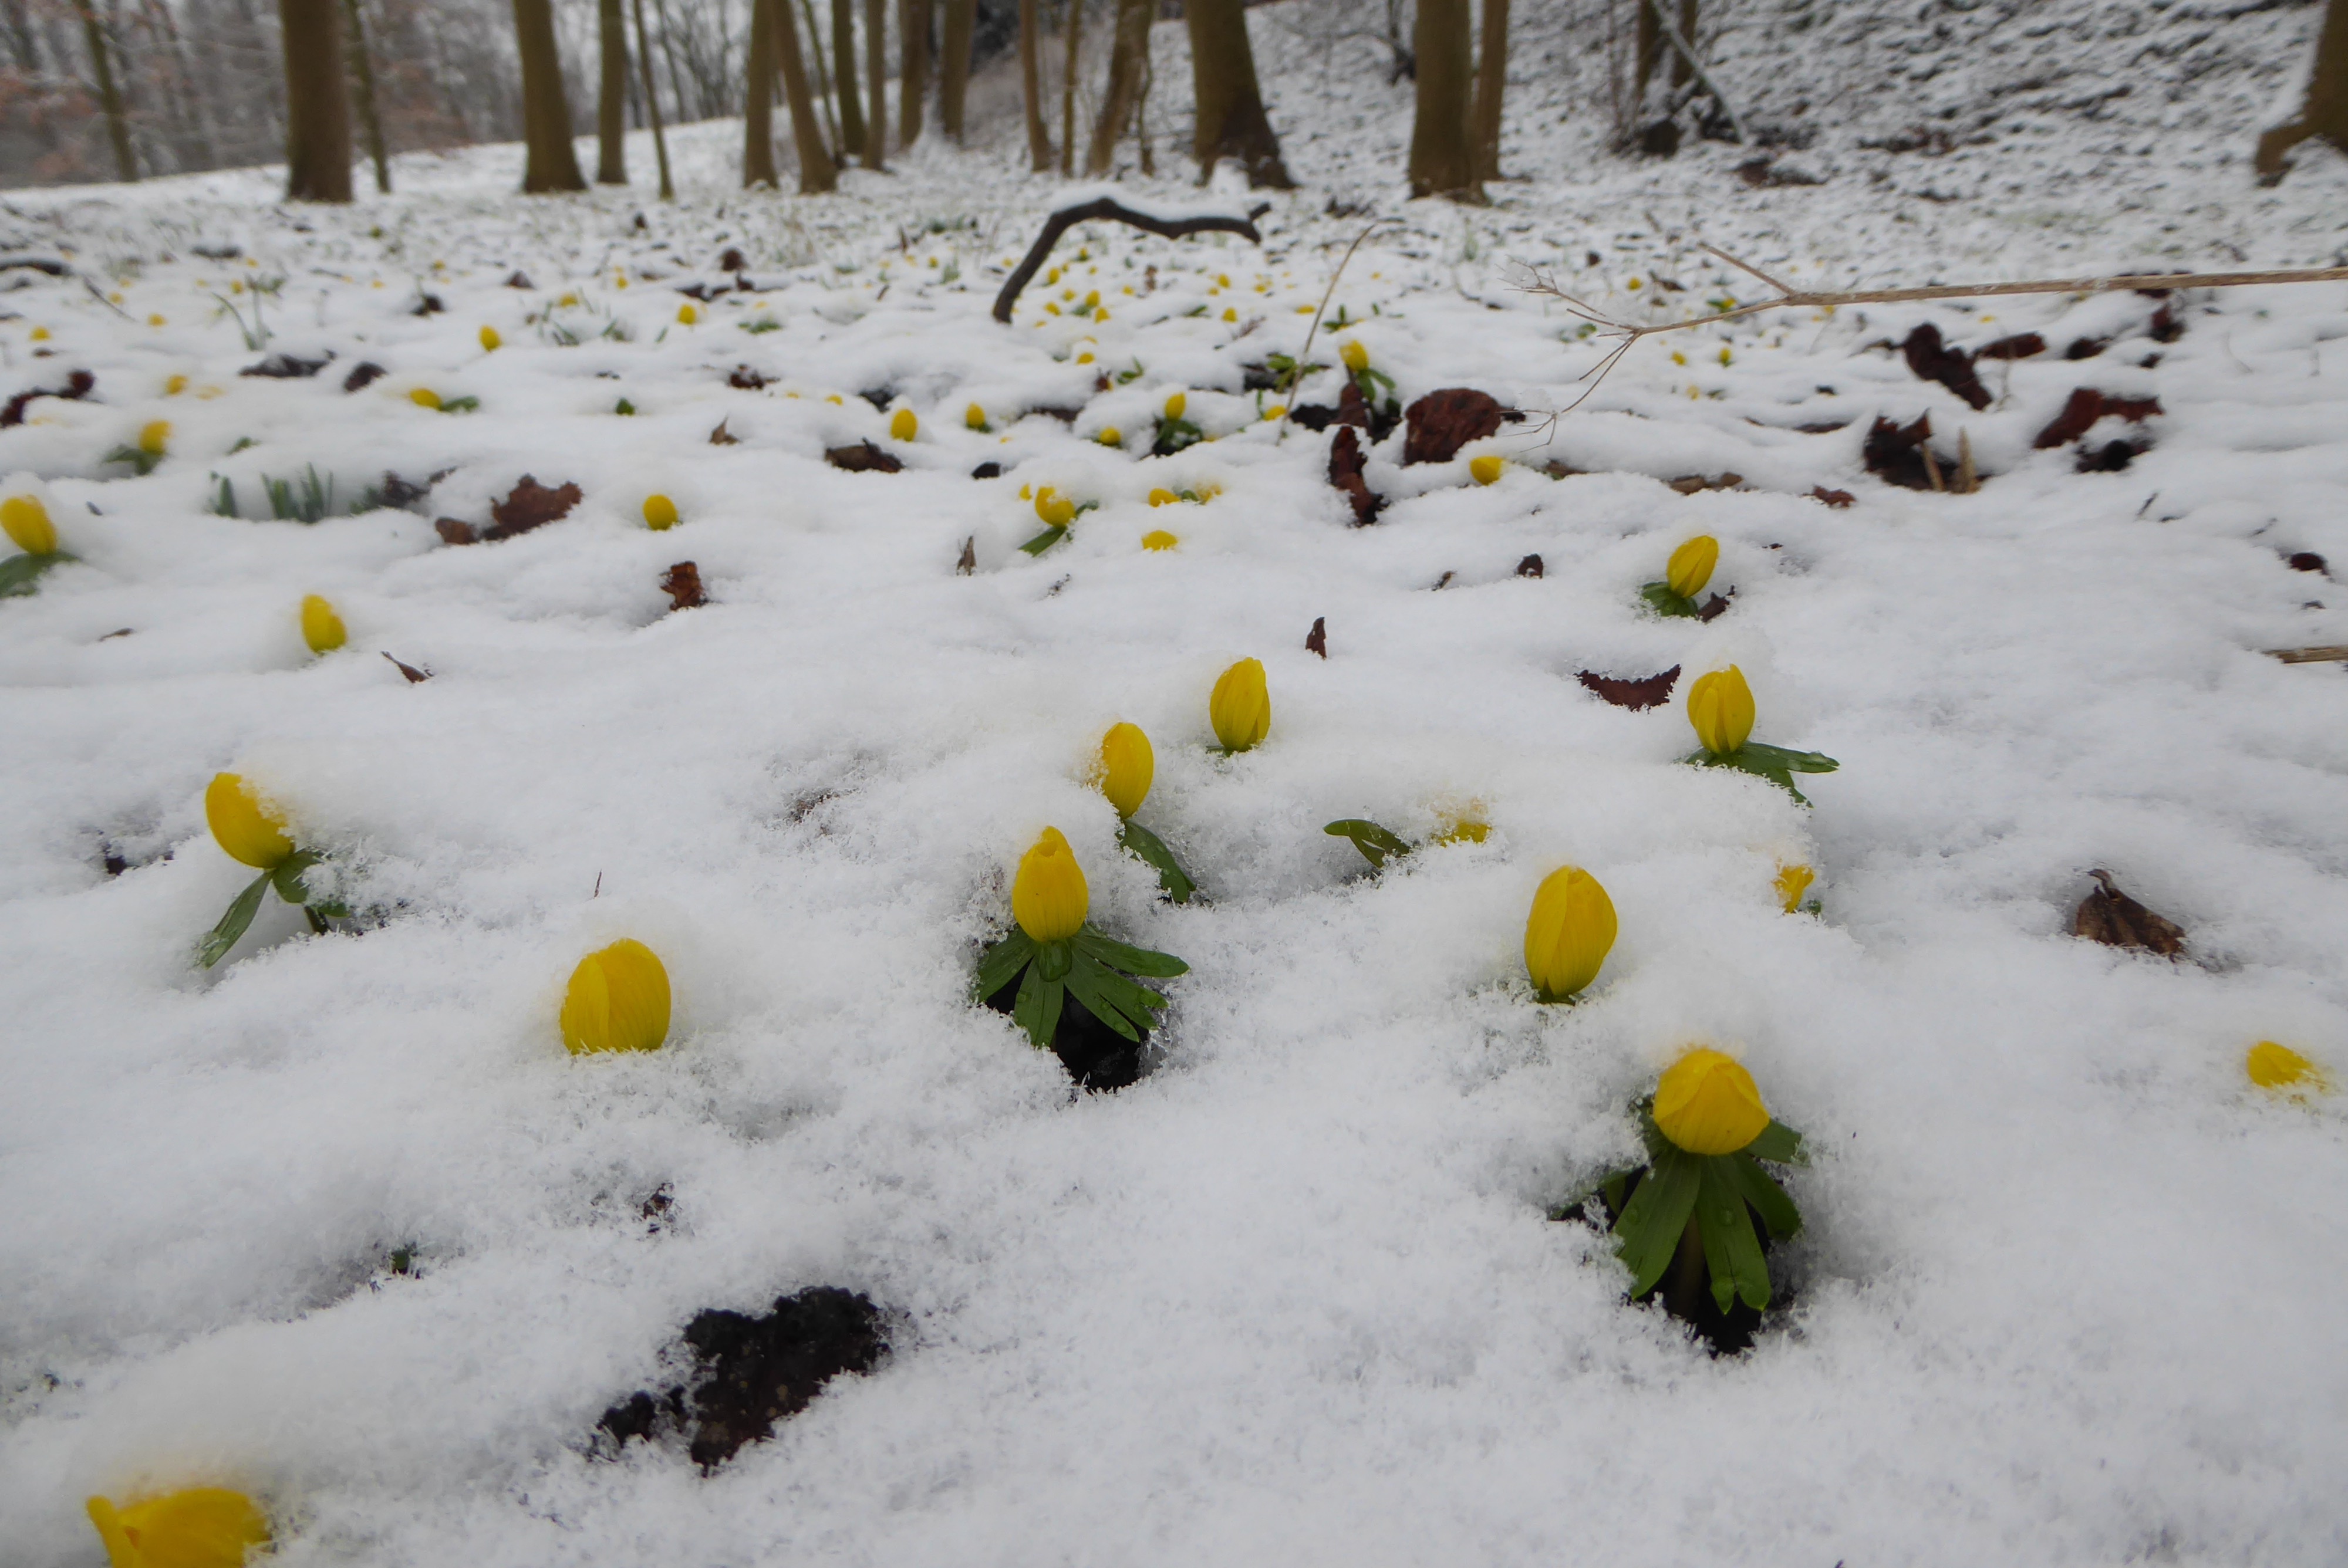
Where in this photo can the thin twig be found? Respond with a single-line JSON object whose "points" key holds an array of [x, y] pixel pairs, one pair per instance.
{"points": [[1296, 372], [1066, 218], [102, 299]]}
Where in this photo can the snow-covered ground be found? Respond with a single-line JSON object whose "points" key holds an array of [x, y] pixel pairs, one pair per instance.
{"points": [[2068, 1293]]}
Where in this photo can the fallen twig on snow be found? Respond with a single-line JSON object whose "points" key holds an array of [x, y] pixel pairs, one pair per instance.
{"points": [[1066, 218], [2334, 654]]}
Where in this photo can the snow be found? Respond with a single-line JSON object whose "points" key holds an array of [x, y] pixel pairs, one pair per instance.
{"points": [[2065, 1294]]}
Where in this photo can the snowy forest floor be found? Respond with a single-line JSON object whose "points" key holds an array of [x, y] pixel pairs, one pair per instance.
{"points": [[341, 1224]]}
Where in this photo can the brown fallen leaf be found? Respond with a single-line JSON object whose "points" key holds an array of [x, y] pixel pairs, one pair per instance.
{"points": [[363, 372], [1635, 695], [415, 676], [520, 280], [721, 437], [969, 562], [2021, 345], [1444, 581], [77, 386], [1346, 461], [1697, 484], [1835, 498], [682, 586], [2111, 917], [1715, 606], [2085, 407], [530, 504], [1893, 453], [1929, 359], [744, 379], [455, 530], [863, 457], [1530, 566], [1317, 639], [1557, 470], [1444, 421]]}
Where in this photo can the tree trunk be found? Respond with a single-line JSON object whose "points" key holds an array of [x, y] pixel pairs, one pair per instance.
{"points": [[876, 84], [912, 69], [1231, 121], [1491, 79], [668, 53], [1648, 43], [817, 172], [110, 95], [953, 66], [758, 98], [1072, 12], [1682, 72], [843, 67], [652, 103], [612, 96], [545, 114], [1439, 164], [2325, 110], [813, 50], [363, 72], [1129, 64], [317, 103], [1031, 80]]}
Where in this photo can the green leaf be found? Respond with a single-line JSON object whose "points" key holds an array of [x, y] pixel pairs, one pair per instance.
{"points": [[1767, 1198], [1732, 1252], [1036, 1009], [1053, 959], [20, 574], [1659, 595], [1375, 842], [1649, 1231], [1085, 980], [215, 946], [459, 404], [1132, 960], [1045, 541], [1762, 762], [1138, 1002], [286, 875], [1147, 847], [1796, 762], [1778, 1142], [1001, 963]]}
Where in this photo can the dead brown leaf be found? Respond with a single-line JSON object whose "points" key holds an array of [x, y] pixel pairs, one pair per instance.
{"points": [[1317, 639], [2111, 917], [863, 457], [1635, 695], [1346, 461], [1444, 421], [682, 586], [530, 504]]}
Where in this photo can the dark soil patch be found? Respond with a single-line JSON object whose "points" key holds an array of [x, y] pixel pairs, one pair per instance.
{"points": [[1686, 1289]]}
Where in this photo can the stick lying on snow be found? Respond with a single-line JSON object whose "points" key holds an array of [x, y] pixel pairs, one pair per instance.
{"points": [[1059, 223]]}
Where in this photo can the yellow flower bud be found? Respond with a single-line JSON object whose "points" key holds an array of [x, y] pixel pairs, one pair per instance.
{"points": [[660, 513], [688, 313], [1720, 706], [2279, 1068], [1462, 830], [1109, 437], [202, 1527], [1691, 565], [1127, 765], [154, 437], [1231, 314], [176, 385], [1706, 1104], [974, 416], [322, 629], [1086, 357], [1158, 539], [1485, 470], [1241, 707], [1277, 411], [1049, 897], [40, 334], [248, 830], [1092, 298], [1356, 357], [425, 397], [1793, 881], [489, 340], [617, 1001], [903, 424], [1050, 308], [1056, 510], [567, 301], [1162, 497], [1175, 403], [27, 522], [1569, 933]]}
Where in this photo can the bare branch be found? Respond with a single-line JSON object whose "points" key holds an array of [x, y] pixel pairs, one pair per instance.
{"points": [[1066, 218]]}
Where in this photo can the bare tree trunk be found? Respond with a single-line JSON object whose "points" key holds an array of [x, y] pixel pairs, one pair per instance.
{"points": [[1072, 17], [1646, 51], [363, 72], [1491, 80], [817, 172], [1439, 164], [876, 83], [1129, 64], [317, 104], [1231, 121], [758, 98], [110, 94], [1681, 71], [612, 94], [1031, 80], [652, 103], [545, 115], [2325, 110], [814, 51], [844, 64], [668, 53], [953, 67], [912, 69]]}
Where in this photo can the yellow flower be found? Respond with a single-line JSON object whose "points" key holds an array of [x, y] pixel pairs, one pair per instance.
{"points": [[1720, 706], [1162, 497], [1109, 437], [974, 416], [618, 1000], [1240, 706], [154, 437], [1127, 765], [1632, 284], [1231, 314], [903, 424], [660, 513], [1485, 470], [2278, 1067], [425, 397], [1793, 881], [489, 340], [1051, 309], [686, 314], [1056, 510], [176, 385], [202, 1527], [1086, 357], [1706, 1103], [1092, 298], [567, 301], [40, 334], [1175, 403], [1691, 564], [1569, 933], [242, 825], [1048, 897], [1463, 830], [155, 319], [1277, 411], [1356, 357], [1158, 539], [620, 280], [322, 629], [27, 522]]}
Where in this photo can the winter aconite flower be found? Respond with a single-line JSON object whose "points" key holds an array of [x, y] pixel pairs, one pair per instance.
{"points": [[1720, 706], [1126, 766], [1158, 539], [1056, 509], [1793, 881], [155, 437], [28, 523], [1706, 1104], [425, 397], [688, 313], [1691, 564], [1356, 357], [618, 1000], [903, 424], [974, 417], [1162, 497], [1176, 403], [1110, 437], [322, 629], [490, 340], [2283, 1069], [244, 827], [1240, 707], [1569, 933], [1485, 470], [660, 513], [1049, 897], [202, 1527]]}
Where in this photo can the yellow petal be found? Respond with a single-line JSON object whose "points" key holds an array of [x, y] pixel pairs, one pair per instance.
{"points": [[1793, 881], [1707, 1105], [201, 1527], [1569, 933], [1158, 539], [1691, 565], [1049, 897], [244, 827], [2278, 1067], [28, 523], [618, 1000], [1126, 766], [322, 629], [1240, 707], [1162, 497], [1720, 707]]}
